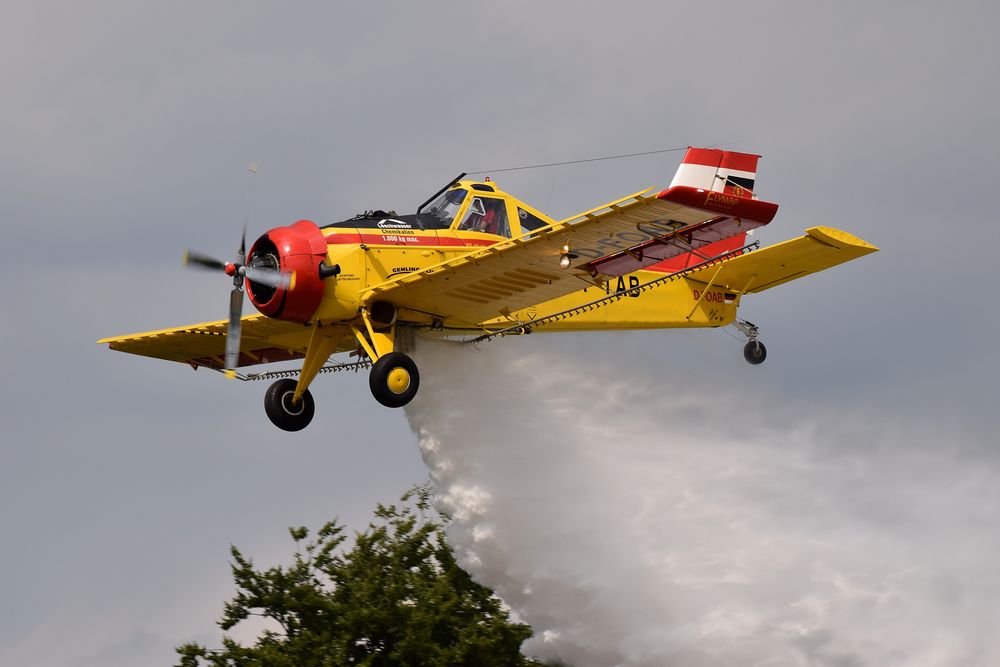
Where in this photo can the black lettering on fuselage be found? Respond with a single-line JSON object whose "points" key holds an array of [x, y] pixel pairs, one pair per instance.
{"points": [[633, 284]]}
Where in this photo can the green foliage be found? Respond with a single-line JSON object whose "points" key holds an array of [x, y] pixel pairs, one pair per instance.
{"points": [[396, 598]]}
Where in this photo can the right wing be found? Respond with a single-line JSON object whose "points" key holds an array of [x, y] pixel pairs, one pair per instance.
{"points": [[821, 248]]}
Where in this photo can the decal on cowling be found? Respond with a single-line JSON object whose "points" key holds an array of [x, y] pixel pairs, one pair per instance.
{"points": [[392, 223]]}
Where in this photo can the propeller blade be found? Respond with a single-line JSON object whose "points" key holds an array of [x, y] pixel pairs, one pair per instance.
{"points": [[233, 330], [197, 260], [268, 277]]}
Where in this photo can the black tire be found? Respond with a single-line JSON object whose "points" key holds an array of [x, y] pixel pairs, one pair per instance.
{"points": [[388, 391], [280, 410], [755, 352]]}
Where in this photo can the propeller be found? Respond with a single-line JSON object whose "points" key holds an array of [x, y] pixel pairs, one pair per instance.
{"points": [[239, 270]]}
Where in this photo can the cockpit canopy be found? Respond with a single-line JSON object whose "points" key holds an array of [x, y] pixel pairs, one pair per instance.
{"points": [[486, 213], [468, 206]]}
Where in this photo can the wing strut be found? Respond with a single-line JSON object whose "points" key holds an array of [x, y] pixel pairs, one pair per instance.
{"points": [[704, 291], [323, 343]]}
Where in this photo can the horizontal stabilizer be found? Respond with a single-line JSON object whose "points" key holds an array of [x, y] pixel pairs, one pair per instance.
{"points": [[820, 249]]}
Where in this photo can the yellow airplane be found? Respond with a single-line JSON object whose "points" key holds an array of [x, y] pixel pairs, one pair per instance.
{"points": [[475, 262]]}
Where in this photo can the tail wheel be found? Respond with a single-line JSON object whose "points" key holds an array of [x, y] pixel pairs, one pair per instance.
{"points": [[394, 380], [282, 412], [755, 352]]}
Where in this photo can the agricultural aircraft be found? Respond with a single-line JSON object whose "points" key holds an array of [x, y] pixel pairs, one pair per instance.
{"points": [[475, 262]]}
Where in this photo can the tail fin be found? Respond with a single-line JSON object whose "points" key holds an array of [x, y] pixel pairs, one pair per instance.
{"points": [[716, 171], [719, 171]]}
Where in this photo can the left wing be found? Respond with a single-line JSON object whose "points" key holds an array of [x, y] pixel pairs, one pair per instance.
{"points": [[524, 271], [821, 248], [264, 340]]}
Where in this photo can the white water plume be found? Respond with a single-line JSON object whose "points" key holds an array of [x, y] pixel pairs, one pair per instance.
{"points": [[634, 522]]}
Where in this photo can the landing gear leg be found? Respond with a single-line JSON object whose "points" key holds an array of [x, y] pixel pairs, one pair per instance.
{"points": [[754, 351], [394, 378], [288, 403]]}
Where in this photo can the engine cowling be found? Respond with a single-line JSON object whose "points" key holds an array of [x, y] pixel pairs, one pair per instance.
{"points": [[298, 249]]}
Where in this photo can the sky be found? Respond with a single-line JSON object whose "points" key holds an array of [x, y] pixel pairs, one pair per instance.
{"points": [[126, 134]]}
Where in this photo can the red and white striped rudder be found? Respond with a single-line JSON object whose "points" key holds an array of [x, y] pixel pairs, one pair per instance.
{"points": [[719, 171]]}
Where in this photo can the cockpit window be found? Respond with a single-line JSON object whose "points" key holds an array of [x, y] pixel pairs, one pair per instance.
{"points": [[446, 206], [487, 215]]}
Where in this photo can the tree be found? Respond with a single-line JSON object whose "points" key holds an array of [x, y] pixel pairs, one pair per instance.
{"points": [[396, 598]]}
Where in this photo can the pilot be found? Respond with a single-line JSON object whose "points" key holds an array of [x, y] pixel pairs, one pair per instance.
{"points": [[489, 221], [474, 218]]}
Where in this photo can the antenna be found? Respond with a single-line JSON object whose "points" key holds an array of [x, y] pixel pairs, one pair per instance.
{"points": [[252, 170]]}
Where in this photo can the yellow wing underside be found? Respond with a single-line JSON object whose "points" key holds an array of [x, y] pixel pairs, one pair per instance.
{"points": [[820, 249], [264, 340]]}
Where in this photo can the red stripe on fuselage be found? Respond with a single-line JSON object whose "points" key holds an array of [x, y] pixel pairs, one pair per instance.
{"points": [[411, 240]]}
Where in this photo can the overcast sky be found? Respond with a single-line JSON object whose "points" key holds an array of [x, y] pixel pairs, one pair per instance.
{"points": [[125, 134]]}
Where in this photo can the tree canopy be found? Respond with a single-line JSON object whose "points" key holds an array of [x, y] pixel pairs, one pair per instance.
{"points": [[396, 597]]}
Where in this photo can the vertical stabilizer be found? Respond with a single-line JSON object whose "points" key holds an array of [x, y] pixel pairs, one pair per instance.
{"points": [[717, 170], [720, 171]]}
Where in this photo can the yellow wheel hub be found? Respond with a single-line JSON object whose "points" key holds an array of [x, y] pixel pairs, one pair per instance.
{"points": [[398, 380]]}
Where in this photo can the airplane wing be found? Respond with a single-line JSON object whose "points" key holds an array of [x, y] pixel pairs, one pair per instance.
{"points": [[264, 340], [521, 272], [821, 248]]}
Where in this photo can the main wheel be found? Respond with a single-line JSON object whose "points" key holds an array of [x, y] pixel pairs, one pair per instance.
{"points": [[755, 352], [282, 412], [394, 380]]}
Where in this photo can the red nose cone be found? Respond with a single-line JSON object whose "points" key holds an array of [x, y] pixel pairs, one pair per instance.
{"points": [[298, 249], [230, 269]]}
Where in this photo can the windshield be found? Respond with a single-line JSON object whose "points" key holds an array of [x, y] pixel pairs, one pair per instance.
{"points": [[446, 206]]}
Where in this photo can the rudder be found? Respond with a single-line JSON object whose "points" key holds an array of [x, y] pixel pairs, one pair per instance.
{"points": [[719, 171]]}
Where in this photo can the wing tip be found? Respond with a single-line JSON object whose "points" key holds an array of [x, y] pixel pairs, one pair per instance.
{"points": [[838, 238]]}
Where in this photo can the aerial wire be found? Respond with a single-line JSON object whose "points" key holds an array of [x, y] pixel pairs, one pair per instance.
{"points": [[593, 159]]}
